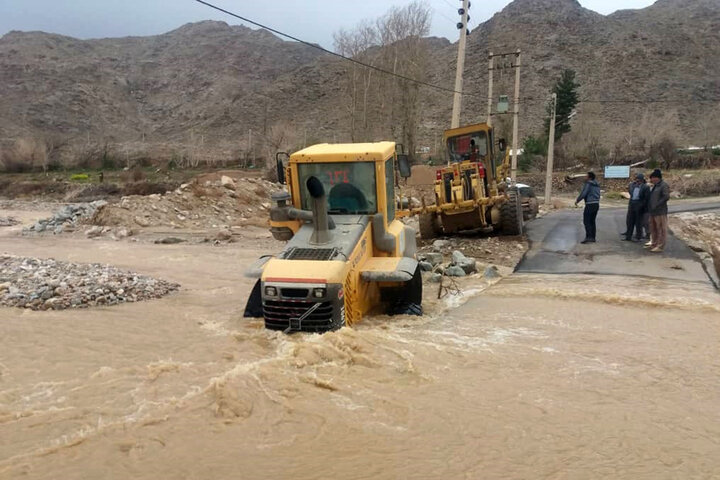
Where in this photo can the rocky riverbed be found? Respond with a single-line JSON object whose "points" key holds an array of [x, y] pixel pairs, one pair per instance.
{"points": [[8, 221], [43, 284], [66, 218]]}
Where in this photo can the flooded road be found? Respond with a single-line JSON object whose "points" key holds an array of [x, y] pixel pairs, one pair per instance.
{"points": [[539, 376]]}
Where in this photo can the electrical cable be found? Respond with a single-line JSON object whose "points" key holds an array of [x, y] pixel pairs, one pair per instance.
{"points": [[325, 50], [526, 101]]}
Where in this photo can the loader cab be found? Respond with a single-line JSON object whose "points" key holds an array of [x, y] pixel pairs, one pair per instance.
{"points": [[359, 178], [472, 143]]}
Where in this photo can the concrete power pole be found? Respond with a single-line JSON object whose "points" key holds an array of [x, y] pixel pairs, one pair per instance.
{"points": [[516, 113], [457, 98], [551, 151]]}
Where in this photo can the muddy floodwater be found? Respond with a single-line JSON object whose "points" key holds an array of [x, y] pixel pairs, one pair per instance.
{"points": [[538, 376]]}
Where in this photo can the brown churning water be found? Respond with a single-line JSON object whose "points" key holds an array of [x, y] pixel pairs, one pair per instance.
{"points": [[526, 385]]}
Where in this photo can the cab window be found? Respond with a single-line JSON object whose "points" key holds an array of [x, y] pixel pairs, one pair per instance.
{"points": [[349, 186], [473, 147]]}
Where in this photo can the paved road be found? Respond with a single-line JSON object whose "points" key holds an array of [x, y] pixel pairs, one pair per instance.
{"points": [[556, 248]]}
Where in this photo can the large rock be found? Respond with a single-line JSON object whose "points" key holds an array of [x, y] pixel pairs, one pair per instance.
{"points": [[169, 241], [491, 272], [228, 182], [426, 266], [455, 271], [715, 250], [434, 258], [94, 232], [440, 244], [467, 264], [224, 235], [141, 221]]}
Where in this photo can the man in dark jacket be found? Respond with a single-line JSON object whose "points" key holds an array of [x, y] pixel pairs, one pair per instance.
{"points": [[637, 206], [591, 194], [658, 209]]}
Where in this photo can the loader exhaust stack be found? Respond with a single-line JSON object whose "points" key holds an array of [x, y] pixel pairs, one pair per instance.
{"points": [[321, 228]]}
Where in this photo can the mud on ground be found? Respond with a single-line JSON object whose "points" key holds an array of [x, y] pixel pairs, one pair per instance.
{"points": [[701, 231]]}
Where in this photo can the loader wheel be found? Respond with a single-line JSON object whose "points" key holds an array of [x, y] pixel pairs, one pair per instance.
{"points": [[254, 306], [429, 226], [409, 297], [511, 214]]}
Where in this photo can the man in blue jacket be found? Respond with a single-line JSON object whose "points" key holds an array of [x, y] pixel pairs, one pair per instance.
{"points": [[591, 194]]}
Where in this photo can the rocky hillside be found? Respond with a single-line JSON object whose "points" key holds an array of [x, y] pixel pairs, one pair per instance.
{"points": [[205, 85]]}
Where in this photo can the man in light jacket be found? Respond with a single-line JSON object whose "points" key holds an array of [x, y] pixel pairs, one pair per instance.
{"points": [[591, 194], [658, 209]]}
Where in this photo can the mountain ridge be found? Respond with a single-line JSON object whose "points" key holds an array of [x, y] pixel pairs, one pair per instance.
{"points": [[215, 82]]}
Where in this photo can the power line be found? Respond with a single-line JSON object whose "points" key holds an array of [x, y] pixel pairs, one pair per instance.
{"points": [[537, 101], [442, 14], [322, 49]]}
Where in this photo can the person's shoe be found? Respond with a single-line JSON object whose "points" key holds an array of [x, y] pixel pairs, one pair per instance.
{"points": [[627, 239], [648, 244], [656, 250], [624, 234], [585, 241]]}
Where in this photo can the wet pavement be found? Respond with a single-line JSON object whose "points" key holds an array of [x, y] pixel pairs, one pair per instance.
{"points": [[555, 248]]}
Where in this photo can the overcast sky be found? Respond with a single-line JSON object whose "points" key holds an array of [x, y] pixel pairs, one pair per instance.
{"points": [[313, 20]]}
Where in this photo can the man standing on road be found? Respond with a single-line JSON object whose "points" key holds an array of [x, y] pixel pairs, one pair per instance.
{"points": [[637, 206], [591, 194], [658, 209]]}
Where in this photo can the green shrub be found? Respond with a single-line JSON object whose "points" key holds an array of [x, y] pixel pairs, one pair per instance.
{"points": [[534, 146], [79, 177], [716, 152]]}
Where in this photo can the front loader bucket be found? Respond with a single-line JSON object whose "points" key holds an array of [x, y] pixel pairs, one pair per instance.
{"points": [[254, 309]]}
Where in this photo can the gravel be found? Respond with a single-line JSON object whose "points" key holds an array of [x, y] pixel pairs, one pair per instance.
{"points": [[44, 284], [66, 218], [8, 221]]}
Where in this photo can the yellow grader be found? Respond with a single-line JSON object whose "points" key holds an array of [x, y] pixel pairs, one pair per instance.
{"points": [[472, 191], [347, 253]]}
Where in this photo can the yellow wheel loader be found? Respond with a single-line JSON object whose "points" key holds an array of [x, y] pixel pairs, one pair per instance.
{"points": [[347, 254], [472, 191]]}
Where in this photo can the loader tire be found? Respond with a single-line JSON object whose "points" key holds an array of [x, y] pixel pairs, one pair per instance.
{"points": [[409, 297], [511, 214], [254, 306], [429, 226]]}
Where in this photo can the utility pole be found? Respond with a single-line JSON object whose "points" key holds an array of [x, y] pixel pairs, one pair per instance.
{"points": [[551, 151], [513, 167], [250, 152], [457, 98], [491, 69]]}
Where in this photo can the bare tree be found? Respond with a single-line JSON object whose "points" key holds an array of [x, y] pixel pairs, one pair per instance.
{"points": [[708, 125], [384, 105], [356, 44], [404, 52]]}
